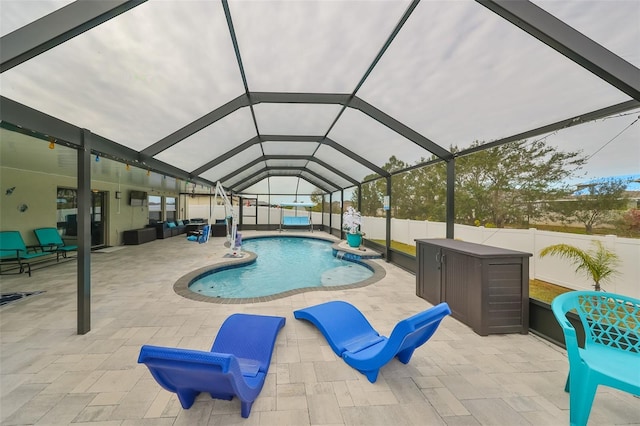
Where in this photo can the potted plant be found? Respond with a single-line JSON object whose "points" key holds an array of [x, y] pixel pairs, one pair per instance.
{"points": [[351, 223]]}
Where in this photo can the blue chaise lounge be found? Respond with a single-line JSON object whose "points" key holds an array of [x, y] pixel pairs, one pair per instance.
{"points": [[237, 364], [354, 340]]}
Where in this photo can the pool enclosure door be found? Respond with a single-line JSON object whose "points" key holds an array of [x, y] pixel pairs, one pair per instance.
{"points": [[249, 211], [98, 209]]}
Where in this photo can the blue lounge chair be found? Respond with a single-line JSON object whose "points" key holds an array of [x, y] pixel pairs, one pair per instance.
{"points": [[611, 353], [14, 251], [203, 236], [51, 241], [354, 340], [237, 364]]}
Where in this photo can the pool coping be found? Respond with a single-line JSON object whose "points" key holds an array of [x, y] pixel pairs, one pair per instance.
{"points": [[181, 286]]}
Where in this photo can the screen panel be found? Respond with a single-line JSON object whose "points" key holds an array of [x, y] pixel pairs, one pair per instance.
{"points": [[126, 79], [234, 163], [474, 76], [300, 46], [596, 19], [211, 142], [295, 119], [291, 148], [18, 13], [358, 132], [611, 145], [329, 175], [286, 163], [342, 162], [278, 185], [256, 168]]}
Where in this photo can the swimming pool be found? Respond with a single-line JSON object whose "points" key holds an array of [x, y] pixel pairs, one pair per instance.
{"points": [[282, 264]]}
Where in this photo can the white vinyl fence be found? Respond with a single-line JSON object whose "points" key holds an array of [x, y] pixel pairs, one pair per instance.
{"points": [[550, 269]]}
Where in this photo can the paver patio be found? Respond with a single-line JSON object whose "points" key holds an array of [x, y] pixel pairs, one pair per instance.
{"points": [[51, 375]]}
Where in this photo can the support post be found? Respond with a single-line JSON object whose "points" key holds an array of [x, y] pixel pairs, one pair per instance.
{"points": [[330, 212], [342, 235], [84, 233], [450, 208], [387, 244], [322, 213]]}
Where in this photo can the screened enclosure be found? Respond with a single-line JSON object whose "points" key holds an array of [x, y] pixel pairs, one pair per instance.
{"points": [[300, 97], [342, 102]]}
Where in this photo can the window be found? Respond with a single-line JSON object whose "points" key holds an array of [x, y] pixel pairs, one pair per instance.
{"points": [[170, 208], [155, 208]]}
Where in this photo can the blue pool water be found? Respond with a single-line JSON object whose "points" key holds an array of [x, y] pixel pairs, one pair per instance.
{"points": [[283, 264]]}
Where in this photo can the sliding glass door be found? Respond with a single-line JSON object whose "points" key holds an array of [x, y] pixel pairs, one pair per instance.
{"points": [[67, 216]]}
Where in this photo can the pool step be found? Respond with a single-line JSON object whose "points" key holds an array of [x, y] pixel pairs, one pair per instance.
{"points": [[342, 250]]}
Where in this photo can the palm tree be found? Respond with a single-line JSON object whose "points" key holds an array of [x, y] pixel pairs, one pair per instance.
{"points": [[599, 264]]}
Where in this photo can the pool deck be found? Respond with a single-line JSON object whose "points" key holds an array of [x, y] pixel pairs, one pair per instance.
{"points": [[50, 375]]}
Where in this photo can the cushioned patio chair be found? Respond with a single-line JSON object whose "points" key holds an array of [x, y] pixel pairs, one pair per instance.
{"points": [[14, 251], [51, 241], [611, 353], [354, 340], [296, 222], [237, 364]]}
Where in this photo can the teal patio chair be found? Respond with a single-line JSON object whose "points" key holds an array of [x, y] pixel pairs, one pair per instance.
{"points": [[51, 241], [14, 251], [611, 353]]}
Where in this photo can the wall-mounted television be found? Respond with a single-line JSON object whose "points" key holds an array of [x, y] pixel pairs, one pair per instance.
{"points": [[138, 198]]}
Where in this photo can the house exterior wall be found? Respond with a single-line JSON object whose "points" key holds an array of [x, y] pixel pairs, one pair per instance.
{"points": [[39, 192]]}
